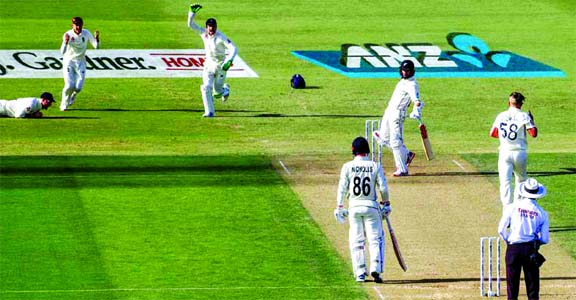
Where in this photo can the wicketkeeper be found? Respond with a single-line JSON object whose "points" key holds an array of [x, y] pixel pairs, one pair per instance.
{"points": [[359, 180], [217, 61]]}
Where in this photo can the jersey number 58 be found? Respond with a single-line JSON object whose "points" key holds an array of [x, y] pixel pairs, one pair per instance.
{"points": [[509, 131]]}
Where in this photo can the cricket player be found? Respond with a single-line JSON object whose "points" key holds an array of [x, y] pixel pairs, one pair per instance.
{"points": [[74, 44], [525, 226], [510, 128], [26, 107], [217, 62], [391, 132], [359, 180]]}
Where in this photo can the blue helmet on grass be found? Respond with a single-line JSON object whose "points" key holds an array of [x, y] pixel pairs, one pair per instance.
{"points": [[297, 82]]}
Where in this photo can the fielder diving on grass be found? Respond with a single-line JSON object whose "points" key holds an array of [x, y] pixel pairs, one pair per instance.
{"points": [[217, 61], [359, 180]]}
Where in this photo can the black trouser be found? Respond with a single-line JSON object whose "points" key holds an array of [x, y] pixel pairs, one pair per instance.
{"points": [[518, 258]]}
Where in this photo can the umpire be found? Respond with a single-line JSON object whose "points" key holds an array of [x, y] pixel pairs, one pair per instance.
{"points": [[528, 228]]}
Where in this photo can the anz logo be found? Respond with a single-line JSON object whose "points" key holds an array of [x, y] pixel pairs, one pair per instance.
{"points": [[472, 58]]}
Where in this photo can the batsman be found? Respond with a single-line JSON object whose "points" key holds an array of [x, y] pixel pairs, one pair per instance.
{"points": [[360, 179], [391, 132]]}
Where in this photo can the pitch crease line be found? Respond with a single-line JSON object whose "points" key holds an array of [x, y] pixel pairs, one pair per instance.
{"points": [[285, 168], [459, 165], [378, 292], [172, 289]]}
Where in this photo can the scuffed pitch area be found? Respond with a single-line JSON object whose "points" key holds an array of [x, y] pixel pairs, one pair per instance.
{"points": [[439, 214]]}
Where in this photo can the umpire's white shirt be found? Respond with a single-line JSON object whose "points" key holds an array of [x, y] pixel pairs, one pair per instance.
{"points": [[406, 91], [358, 179], [20, 107], [512, 125], [527, 221], [77, 45]]}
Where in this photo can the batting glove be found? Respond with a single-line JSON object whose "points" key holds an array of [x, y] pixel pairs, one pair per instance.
{"points": [[340, 214], [194, 8], [415, 114], [226, 66], [386, 209]]}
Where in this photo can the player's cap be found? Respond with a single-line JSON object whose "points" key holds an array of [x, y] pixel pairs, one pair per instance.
{"points": [[47, 96], [77, 21], [532, 189], [211, 22]]}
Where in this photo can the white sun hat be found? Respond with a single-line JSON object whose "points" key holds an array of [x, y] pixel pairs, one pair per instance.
{"points": [[532, 189]]}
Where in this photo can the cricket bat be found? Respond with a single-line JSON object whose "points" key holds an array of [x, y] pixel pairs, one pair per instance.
{"points": [[425, 141], [395, 245]]}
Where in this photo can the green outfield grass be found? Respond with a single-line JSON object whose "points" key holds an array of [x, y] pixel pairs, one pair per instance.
{"points": [[132, 195], [556, 172], [193, 227]]}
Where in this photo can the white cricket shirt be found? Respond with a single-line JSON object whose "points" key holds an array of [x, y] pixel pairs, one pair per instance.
{"points": [[512, 125], [216, 45], [359, 179], [406, 91], [77, 45], [20, 107]]}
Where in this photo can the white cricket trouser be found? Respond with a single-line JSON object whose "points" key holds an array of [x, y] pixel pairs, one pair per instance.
{"points": [[74, 75], [511, 162], [392, 132], [213, 78], [366, 223]]}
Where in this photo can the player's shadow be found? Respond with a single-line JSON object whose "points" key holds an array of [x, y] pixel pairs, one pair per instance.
{"points": [[278, 115], [567, 171], [562, 228], [447, 280], [67, 118], [164, 110]]}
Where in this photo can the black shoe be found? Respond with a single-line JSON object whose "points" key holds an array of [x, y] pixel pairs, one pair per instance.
{"points": [[376, 277], [410, 158]]}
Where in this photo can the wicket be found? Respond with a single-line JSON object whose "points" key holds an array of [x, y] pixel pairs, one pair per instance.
{"points": [[489, 257], [375, 148]]}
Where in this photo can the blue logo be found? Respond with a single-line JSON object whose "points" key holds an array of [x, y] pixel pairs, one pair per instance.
{"points": [[472, 58]]}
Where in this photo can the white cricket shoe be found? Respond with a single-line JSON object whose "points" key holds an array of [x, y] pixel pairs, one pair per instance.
{"points": [[225, 92], [361, 278]]}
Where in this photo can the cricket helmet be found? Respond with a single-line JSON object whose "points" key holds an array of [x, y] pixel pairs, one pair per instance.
{"points": [[47, 96], [211, 22], [297, 82], [408, 66], [360, 146]]}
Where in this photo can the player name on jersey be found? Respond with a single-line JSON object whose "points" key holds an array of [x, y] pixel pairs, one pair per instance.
{"points": [[114, 64], [472, 58], [362, 169]]}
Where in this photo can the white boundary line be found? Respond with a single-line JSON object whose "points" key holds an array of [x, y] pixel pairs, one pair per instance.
{"points": [[459, 165], [174, 289], [284, 167]]}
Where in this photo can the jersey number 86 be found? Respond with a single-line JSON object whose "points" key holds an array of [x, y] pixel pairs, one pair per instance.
{"points": [[361, 186]]}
